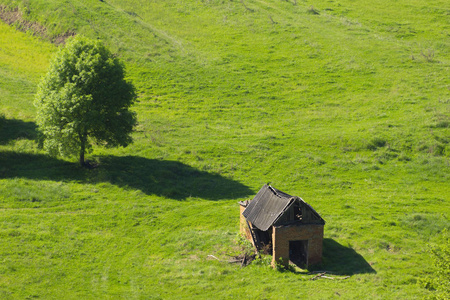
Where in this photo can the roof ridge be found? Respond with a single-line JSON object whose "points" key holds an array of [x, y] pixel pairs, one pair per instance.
{"points": [[278, 193]]}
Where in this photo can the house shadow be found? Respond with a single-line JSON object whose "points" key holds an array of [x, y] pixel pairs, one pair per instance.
{"points": [[13, 129], [169, 179], [341, 260]]}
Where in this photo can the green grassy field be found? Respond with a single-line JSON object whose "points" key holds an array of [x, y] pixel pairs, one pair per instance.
{"points": [[343, 103]]}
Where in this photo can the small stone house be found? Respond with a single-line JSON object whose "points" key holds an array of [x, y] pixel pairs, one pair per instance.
{"points": [[283, 225]]}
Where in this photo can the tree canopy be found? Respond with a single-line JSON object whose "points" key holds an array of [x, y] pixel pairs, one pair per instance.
{"points": [[84, 99]]}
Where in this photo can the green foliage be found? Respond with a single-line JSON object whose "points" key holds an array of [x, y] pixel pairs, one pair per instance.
{"points": [[441, 259], [244, 244], [439, 282], [84, 98], [280, 266]]}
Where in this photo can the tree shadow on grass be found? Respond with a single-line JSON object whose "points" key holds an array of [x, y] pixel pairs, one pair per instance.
{"points": [[170, 179], [39, 167], [13, 129], [341, 260]]}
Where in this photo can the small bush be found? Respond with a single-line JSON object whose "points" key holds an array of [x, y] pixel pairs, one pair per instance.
{"points": [[439, 281], [441, 121], [404, 157], [312, 11], [386, 155], [263, 260], [281, 267], [428, 55], [425, 225], [376, 143]]}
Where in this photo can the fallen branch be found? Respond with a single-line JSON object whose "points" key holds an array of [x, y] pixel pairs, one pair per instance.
{"points": [[243, 261], [322, 275], [318, 275], [315, 272], [333, 278], [249, 9], [233, 261], [212, 256], [271, 20]]}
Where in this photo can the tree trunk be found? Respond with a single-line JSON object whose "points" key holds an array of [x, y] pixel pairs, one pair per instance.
{"points": [[82, 150]]}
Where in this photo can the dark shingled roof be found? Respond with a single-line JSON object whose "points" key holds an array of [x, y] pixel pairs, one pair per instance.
{"points": [[267, 206]]}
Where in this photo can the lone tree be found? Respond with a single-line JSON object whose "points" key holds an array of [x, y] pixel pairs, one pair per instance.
{"points": [[84, 99]]}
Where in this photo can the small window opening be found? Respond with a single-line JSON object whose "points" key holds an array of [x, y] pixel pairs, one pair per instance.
{"points": [[297, 212]]}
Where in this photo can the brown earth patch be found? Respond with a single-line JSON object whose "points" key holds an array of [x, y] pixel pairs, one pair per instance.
{"points": [[14, 17]]}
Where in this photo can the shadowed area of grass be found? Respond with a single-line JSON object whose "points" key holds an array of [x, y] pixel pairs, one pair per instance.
{"points": [[13, 129], [170, 179], [342, 260]]}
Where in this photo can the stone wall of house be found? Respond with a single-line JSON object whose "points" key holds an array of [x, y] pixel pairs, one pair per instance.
{"points": [[282, 235], [243, 227]]}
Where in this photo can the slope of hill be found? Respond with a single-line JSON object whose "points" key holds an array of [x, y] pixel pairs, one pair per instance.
{"points": [[346, 104]]}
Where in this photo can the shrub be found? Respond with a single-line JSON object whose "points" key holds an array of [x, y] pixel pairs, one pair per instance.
{"points": [[439, 281], [375, 143]]}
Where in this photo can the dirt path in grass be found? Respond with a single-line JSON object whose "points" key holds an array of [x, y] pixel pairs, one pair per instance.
{"points": [[14, 17]]}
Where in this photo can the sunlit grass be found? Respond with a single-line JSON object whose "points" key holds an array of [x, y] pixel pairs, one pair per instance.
{"points": [[347, 107], [23, 60], [23, 54]]}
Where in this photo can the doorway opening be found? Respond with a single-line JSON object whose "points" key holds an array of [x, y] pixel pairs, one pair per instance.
{"points": [[298, 253]]}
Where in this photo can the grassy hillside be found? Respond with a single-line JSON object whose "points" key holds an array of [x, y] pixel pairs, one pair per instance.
{"points": [[346, 104]]}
